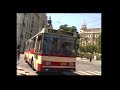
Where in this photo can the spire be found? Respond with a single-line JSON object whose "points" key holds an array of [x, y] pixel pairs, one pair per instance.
{"points": [[83, 27], [84, 22]]}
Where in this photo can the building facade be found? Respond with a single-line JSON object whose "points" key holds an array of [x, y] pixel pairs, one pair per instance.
{"points": [[29, 24], [89, 36]]}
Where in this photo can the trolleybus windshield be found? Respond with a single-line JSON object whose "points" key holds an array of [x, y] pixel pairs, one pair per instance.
{"points": [[59, 45]]}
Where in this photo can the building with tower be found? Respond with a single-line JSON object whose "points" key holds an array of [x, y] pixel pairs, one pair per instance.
{"points": [[88, 36]]}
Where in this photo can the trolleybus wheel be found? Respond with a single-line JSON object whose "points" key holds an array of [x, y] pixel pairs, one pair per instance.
{"points": [[32, 64], [25, 58]]}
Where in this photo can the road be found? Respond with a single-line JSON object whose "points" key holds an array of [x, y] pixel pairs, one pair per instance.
{"points": [[83, 67]]}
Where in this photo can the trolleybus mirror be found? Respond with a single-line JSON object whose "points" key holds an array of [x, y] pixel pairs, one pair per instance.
{"points": [[39, 37]]}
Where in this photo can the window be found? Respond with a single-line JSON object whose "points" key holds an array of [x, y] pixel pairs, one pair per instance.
{"points": [[21, 36], [38, 43], [24, 47], [94, 42], [30, 36], [91, 35], [54, 44], [27, 46], [97, 35], [25, 34], [27, 24], [32, 44], [31, 30]]}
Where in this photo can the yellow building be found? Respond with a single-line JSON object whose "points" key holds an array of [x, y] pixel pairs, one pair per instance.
{"points": [[88, 36]]}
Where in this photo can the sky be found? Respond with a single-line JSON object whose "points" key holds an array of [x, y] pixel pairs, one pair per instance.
{"points": [[92, 20]]}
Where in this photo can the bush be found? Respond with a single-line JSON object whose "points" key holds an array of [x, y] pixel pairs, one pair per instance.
{"points": [[86, 55], [81, 55], [98, 57]]}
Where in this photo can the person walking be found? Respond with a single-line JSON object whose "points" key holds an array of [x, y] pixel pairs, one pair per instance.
{"points": [[18, 53], [90, 58]]}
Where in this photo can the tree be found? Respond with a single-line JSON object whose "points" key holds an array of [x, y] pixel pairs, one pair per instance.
{"points": [[86, 39], [93, 39], [73, 29], [82, 49], [81, 55], [66, 28], [78, 36], [91, 49], [99, 44]]}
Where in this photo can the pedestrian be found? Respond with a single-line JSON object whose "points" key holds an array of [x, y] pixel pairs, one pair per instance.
{"points": [[18, 53], [90, 58]]}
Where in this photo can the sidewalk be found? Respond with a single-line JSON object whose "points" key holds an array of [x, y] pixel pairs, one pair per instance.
{"points": [[23, 68], [85, 59], [20, 71]]}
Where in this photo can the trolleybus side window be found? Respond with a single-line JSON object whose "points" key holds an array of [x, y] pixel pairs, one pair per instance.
{"points": [[34, 40], [32, 43], [27, 46], [38, 43]]}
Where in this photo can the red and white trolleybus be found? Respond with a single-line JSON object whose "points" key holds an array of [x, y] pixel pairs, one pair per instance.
{"points": [[51, 50]]}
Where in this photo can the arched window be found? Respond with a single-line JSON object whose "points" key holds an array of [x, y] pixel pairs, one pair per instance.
{"points": [[90, 35]]}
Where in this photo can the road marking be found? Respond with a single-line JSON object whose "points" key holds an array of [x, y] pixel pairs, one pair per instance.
{"points": [[27, 73], [97, 72], [20, 71], [94, 72], [88, 73], [84, 73]]}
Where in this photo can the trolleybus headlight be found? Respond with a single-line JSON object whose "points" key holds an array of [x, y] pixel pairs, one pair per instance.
{"points": [[48, 63], [71, 64]]}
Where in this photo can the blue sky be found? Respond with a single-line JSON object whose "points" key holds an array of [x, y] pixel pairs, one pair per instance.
{"points": [[93, 20]]}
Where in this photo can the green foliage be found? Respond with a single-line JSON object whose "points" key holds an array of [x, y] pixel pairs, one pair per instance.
{"points": [[81, 55], [98, 57], [66, 28], [89, 49], [99, 44]]}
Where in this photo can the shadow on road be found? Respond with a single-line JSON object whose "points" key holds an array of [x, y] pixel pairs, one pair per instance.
{"points": [[49, 73], [58, 73]]}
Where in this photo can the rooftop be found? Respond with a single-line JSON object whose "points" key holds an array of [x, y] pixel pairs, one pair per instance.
{"points": [[93, 30]]}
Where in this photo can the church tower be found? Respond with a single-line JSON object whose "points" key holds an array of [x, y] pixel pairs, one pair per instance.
{"points": [[83, 27]]}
